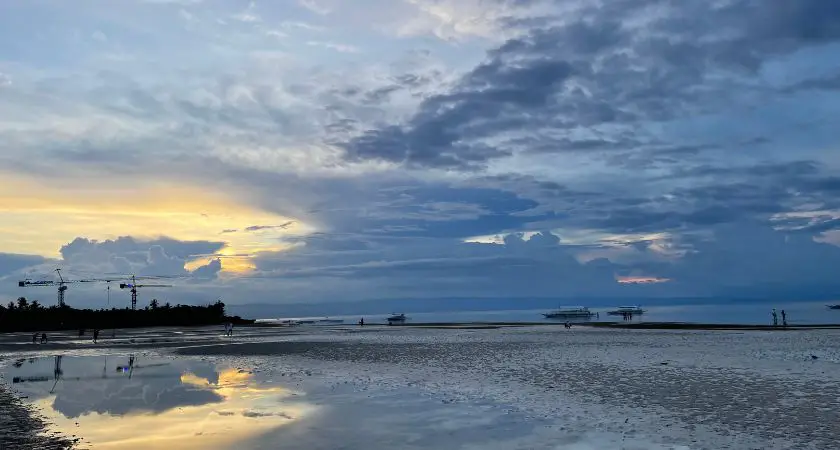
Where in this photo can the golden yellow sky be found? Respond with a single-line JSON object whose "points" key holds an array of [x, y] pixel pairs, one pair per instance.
{"points": [[38, 218]]}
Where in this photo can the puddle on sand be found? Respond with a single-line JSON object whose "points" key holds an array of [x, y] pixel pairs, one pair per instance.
{"points": [[128, 402]]}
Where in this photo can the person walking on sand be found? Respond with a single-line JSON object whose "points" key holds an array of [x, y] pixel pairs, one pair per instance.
{"points": [[35, 337], [43, 338], [95, 335], [775, 318], [784, 319]]}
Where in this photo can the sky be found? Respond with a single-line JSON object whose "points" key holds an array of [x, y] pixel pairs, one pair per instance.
{"points": [[312, 151]]}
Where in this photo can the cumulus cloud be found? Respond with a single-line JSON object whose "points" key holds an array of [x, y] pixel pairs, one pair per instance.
{"points": [[611, 65], [127, 255]]}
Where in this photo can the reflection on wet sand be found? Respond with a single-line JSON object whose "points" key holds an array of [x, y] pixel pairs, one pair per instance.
{"points": [[130, 403]]}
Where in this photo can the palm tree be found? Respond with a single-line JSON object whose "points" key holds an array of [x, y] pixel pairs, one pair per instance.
{"points": [[34, 305], [154, 304], [22, 303], [11, 305]]}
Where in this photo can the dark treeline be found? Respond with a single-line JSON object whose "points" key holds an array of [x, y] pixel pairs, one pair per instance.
{"points": [[31, 316]]}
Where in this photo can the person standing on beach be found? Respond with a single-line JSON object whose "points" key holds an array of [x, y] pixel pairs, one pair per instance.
{"points": [[775, 318], [784, 319], [95, 335]]}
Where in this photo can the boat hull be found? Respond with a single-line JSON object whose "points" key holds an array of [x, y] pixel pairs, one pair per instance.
{"points": [[568, 316]]}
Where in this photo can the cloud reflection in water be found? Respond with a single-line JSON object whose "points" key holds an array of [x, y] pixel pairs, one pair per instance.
{"points": [[125, 403]]}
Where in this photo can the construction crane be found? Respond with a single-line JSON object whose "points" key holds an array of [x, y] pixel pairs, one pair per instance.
{"points": [[61, 283], [134, 286]]}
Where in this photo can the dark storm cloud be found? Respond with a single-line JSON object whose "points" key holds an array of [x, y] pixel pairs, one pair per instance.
{"points": [[829, 83], [10, 262], [595, 70], [748, 253], [538, 266]]}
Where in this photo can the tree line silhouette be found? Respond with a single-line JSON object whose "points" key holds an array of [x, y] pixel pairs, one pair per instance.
{"points": [[24, 315]]}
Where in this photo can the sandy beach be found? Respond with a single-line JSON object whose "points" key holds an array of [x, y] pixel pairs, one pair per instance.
{"points": [[505, 387]]}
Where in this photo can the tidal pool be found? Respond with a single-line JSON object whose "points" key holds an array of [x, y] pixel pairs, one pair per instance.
{"points": [[131, 402]]}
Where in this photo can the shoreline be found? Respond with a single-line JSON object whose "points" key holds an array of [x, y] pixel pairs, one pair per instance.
{"points": [[23, 428], [607, 325]]}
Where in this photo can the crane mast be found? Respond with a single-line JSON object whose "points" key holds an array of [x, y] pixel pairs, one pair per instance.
{"points": [[133, 286]]}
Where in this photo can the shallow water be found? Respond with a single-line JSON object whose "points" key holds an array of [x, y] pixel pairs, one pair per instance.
{"points": [[798, 313], [132, 402]]}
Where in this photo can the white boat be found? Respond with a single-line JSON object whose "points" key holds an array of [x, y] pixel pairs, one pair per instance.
{"points": [[570, 312], [330, 321], [621, 310], [394, 317]]}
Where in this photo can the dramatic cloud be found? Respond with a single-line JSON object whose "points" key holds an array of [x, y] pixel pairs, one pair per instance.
{"points": [[310, 150], [10, 262]]}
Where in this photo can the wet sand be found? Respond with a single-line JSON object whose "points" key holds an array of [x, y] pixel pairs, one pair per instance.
{"points": [[21, 428], [584, 388], [697, 389]]}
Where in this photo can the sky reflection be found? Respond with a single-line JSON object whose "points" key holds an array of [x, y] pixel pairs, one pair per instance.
{"points": [[127, 402]]}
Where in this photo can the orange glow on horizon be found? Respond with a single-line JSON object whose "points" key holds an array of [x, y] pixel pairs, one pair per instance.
{"points": [[39, 217]]}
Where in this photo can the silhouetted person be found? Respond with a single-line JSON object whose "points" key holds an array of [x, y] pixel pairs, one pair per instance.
{"points": [[95, 335], [784, 318], [775, 318], [362, 322], [43, 338], [35, 337]]}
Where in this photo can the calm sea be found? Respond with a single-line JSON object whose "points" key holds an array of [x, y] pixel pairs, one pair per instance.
{"points": [[746, 313]]}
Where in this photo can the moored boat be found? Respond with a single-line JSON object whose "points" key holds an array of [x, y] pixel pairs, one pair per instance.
{"points": [[577, 312], [621, 310], [834, 306], [396, 318]]}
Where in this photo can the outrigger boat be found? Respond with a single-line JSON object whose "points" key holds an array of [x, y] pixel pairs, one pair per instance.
{"points": [[626, 310], [396, 318], [570, 312]]}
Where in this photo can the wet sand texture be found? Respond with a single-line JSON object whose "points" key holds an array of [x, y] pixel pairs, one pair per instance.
{"points": [[21, 429]]}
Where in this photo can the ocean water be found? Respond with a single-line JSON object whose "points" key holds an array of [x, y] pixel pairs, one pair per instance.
{"points": [[798, 313]]}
